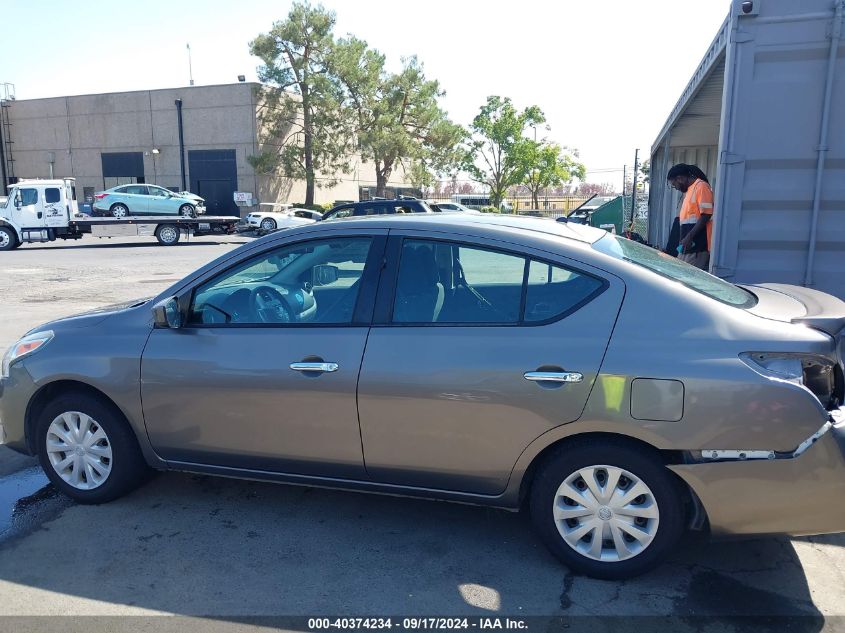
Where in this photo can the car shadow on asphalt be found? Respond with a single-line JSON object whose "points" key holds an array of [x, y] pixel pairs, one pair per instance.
{"points": [[228, 549]]}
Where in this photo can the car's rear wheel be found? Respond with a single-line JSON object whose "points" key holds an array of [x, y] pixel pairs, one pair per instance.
{"points": [[119, 210], [8, 239], [167, 234], [187, 211], [87, 448], [268, 224], [606, 509]]}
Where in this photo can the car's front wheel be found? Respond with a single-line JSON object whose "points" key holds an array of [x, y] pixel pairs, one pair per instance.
{"points": [[606, 509], [187, 211], [87, 448], [268, 224]]}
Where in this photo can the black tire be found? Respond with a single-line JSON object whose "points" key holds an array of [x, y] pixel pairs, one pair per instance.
{"points": [[8, 239], [119, 210], [168, 234], [268, 224], [644, 464], [128, 468], [187, 211]]}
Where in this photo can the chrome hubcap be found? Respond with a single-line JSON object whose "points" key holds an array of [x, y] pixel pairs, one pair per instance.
{"points": [[606, 513], [79, 450], [168, 234], [187, 211], [119, 212], [267, 225], [5, 240]]}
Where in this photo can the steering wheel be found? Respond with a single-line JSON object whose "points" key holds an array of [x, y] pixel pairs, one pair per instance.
{"points": [[269, 306]]}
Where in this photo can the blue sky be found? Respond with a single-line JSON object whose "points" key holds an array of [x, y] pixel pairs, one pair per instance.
{"points": [[605, 72]]}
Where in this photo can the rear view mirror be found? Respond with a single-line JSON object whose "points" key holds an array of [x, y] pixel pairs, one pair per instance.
{"points": [[18, 199], [324, 275], [166, 314]]}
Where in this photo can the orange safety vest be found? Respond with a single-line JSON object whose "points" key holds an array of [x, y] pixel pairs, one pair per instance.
{"points": [[698, 201]]}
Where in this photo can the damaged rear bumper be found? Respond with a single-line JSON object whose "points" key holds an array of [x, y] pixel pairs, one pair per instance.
{"points": [[798, 494]]}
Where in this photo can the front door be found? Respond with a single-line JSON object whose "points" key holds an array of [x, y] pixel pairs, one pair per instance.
{"points": [[263, 376], [30, 214], [451, 389], [218, 196]]}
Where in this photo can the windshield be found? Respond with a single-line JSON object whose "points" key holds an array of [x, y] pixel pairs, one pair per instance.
{"points": [[676, 270]]}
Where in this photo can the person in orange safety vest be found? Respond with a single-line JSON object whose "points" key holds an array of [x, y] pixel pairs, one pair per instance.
{"points": [[696, 214]]}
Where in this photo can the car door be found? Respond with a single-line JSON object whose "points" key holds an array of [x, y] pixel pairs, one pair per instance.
{"points": [[160, 202], [451, 388], [240, 387], [135, 197]]}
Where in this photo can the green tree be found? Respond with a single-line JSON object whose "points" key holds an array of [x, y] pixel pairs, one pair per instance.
{"points": [[498, 154], [304, 133], [398, 117], [551, 166]]}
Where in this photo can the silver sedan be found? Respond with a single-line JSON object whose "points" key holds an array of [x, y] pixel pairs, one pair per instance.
{"points": [[619, 395]]}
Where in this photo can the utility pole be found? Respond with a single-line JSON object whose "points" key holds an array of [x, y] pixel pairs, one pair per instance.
{"points": [[634, 186], [190, 71], [624, 178]]}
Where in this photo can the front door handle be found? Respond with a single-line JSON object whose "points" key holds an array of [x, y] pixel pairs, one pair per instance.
{"points": [[553, 376], [316, 367]]}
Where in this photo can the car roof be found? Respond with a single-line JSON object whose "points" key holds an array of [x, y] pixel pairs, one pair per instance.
{"points": [[460, 223]]}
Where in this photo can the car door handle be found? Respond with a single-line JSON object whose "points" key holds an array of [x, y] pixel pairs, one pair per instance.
{"points": [[553, 376], [321, 367]]}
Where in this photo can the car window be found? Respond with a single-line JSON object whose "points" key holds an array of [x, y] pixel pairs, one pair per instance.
{"points": [[676, 270], [52, 194], [553, 290], [29, 196], [368, 209], [309, 282], [441, 282], [158, 191], [139, 190], [342, 212]]}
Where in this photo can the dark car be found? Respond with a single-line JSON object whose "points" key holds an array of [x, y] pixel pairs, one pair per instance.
{"points": [[377, 207]]}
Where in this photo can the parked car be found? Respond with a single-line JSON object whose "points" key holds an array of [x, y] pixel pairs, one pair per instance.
{"points": [[377, 207], [620, 394], [126, 200], [450, 207], [277, 216]]}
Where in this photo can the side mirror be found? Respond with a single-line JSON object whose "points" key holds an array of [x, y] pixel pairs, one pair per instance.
{"points": [[325, 275], [166, 314], [18, 199]]}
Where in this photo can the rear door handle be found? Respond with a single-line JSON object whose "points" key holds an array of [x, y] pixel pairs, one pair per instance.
{"points": [[553, 376], [316, 367]]}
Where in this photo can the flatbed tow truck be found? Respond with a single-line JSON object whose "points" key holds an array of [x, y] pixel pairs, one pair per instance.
{"points": [[46, 210]]}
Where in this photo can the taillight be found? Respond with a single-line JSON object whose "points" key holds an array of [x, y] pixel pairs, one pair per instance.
{"points": [[100, 196]]}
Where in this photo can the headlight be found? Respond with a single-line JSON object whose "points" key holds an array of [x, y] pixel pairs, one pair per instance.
{"points": [[817, 373], [27, 345]]}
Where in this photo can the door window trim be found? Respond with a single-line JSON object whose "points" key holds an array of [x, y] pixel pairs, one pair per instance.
{"points": [[362, 313], [383, 316]]}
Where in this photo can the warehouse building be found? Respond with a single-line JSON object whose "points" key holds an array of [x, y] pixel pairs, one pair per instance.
{"points": [[197, 138]]}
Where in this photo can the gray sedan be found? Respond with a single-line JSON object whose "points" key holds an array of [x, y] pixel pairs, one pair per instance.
{"points": [[618, 394]]}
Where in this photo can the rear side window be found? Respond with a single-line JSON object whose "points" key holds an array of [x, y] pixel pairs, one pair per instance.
{"points": [[553, 290], [139, 190], [52, 194], [443, 282]]}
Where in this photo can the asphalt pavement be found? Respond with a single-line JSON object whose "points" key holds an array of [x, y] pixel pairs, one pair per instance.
{"points": [[222, 550]]}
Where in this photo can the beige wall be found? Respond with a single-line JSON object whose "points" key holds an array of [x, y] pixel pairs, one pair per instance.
{"points": [[78, 129]]}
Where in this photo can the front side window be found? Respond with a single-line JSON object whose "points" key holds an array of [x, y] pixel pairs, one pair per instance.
{"points": [[450, 283], [158, 191], [29, 197], [676, 270], [52, 194], [313, 282]]}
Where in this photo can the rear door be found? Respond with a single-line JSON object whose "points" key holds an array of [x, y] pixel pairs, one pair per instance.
{"points": [[448, 396]]}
